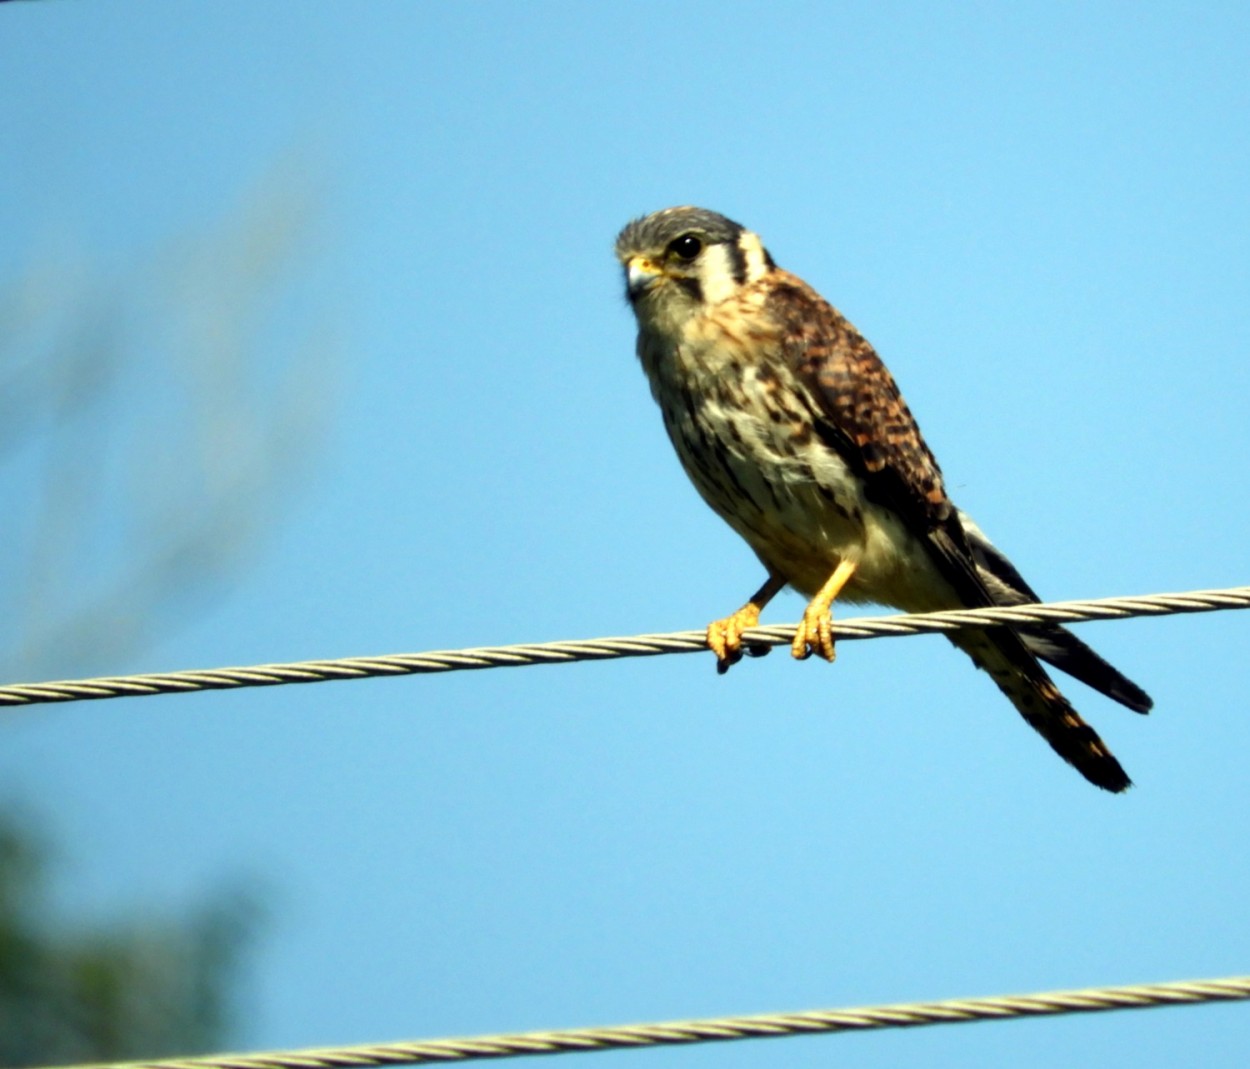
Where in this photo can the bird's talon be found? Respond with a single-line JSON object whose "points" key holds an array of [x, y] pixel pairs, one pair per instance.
{"points": [[727, 659], [813, 635], [724, 637], [826, 649]]}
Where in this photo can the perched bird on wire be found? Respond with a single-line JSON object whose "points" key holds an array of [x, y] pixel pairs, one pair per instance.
{"points": [[793, 431]]}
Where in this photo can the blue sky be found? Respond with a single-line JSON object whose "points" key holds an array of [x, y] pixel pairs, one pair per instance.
{"points": [[1038, 214]]}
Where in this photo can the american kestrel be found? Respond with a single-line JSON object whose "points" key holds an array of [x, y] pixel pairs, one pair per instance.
{"points": [[793, 431]]}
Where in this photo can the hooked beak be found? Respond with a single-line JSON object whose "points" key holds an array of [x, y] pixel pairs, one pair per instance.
{"points": [[640, 275]]}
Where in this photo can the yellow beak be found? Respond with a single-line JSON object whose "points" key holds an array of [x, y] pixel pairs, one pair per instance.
{"points": [[640, 273]]}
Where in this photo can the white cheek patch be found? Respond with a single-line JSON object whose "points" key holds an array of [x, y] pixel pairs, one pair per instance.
{"points": [[716, 274], [753, 253]]}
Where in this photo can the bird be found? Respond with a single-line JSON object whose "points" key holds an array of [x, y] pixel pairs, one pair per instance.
{"points": [[793, 430]]}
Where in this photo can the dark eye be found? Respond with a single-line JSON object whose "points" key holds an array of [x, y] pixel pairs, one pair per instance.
{"points": [[687, 247]]}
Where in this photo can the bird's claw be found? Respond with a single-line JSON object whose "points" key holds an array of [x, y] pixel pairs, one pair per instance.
{"points": [[814, 635], [724, 638]]}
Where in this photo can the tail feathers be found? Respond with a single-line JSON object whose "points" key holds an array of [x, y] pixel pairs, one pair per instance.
{"points": [[1055, 645], [1018, 675]]}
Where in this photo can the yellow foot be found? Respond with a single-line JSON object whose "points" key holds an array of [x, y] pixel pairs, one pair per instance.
{"points": [[815, 631], [814, 634], [724, 637]]}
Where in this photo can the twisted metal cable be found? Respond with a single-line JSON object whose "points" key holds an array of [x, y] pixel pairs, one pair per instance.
{"points": [[602, 649], [712, 1029]]}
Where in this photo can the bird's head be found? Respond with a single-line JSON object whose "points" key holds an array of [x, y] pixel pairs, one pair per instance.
{"points": [[680, 261]]}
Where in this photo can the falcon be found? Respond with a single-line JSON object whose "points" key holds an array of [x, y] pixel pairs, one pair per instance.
{"points": [[793, 431]]}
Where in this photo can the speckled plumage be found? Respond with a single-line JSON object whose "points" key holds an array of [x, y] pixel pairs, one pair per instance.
{"points": [[794, 432]]}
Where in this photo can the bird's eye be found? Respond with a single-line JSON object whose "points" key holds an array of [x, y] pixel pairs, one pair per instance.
{"points": [[686, 247]]}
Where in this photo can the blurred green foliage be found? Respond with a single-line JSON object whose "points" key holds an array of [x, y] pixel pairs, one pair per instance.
{"points": [[139, 987]]}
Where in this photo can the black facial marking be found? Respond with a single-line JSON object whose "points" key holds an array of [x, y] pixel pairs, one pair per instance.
{"points": [[691, 286], [738, 262]]}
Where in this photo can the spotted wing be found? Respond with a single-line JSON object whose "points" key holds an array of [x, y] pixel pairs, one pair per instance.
{"points": [[862, 416]]}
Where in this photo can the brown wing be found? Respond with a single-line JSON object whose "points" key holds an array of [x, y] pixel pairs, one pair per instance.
{"points": [[867, 422], [862, 416]]}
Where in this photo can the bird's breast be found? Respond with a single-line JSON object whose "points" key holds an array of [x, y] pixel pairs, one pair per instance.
{"points": [[744, 427], [744, 431]]}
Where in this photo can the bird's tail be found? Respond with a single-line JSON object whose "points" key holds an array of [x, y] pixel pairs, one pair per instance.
{"points": [[1003, 654], [1055, 645], [1059, 647]]}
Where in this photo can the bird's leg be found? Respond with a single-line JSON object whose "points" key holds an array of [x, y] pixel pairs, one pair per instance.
{"points": [[724, 637], [815, 630]]}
